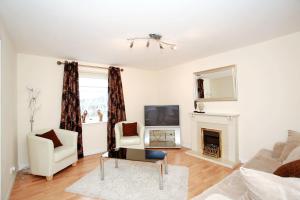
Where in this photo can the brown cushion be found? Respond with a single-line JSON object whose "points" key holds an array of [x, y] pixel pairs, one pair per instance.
{"points": [[51, 136], [291, 169], [130, 129]]}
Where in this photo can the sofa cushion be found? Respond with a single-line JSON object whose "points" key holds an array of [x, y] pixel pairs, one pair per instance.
{"points": [[263, 185], [50, 135], [130, 129], [293, 136], [291, 169], [288, 148], [263, 161], [231, 186], [62, 152], [294, 155], [133, 140], [218, 197], [277, 149], [293, 141]]}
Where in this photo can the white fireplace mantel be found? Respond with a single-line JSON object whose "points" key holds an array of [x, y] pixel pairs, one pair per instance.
{"points": [[215, 114], [227, 123]]}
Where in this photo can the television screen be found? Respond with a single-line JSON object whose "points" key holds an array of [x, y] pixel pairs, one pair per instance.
{"points": [[162, 115]]}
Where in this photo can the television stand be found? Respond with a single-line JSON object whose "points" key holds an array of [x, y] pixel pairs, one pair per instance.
{"points": [[162, 137]]}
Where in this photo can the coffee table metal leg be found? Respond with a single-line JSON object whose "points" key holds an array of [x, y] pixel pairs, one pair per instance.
{"points": [[166, 163], [161, 174], [101, 167], [116, 163]]}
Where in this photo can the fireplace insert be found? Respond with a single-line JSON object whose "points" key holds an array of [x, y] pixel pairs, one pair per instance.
{"points": [[211, 140]]}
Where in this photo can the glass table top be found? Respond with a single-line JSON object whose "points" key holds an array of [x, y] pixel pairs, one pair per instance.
{"points": [[143, 155]]}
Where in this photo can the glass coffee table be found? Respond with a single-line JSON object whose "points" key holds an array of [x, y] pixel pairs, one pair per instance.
{"points": [[141, 155]]}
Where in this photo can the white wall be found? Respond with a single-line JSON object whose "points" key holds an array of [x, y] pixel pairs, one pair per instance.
{"points": [[43, 73], [268, 77], [94, 138], [8, 112]]}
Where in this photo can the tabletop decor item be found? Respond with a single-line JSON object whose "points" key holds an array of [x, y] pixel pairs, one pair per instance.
{"points": [[83, 116], [199, 107], [100, 115]]}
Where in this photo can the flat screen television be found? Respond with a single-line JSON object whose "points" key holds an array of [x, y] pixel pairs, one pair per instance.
{"points": [[162, 115]]}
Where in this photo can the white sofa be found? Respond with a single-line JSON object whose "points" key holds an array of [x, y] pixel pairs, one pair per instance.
{"points": [[44, 159], [134, 142], [233, 186]]}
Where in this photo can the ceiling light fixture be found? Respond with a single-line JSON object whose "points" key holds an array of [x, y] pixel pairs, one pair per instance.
{"points": [[154, 37]]}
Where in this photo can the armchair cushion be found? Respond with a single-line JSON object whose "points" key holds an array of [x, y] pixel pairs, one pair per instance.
{"points": [[62, 152], [133, 140], [50, 135], [130, 129]]}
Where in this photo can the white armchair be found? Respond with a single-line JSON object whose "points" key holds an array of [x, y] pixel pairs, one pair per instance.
{"points": [[134, 142], [44, 159]]}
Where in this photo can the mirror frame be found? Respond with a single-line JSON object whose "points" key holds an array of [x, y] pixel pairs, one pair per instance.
{"points": [[234, 79]]}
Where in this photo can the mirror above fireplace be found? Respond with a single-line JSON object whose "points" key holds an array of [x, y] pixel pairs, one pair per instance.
{"points": [[217, 84]]}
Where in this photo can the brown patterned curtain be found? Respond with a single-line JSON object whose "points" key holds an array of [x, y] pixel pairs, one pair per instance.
{"points": [[70, 106], [200, 88], [116, 105]]}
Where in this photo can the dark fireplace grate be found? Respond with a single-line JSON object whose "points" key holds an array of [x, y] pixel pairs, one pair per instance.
{"points": [[211, 142]]}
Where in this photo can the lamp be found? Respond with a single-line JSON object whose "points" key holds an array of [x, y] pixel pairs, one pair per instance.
{"points": [[155, 37]]}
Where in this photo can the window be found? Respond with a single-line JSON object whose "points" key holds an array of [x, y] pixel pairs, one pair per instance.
{"points": [[93, 96]]}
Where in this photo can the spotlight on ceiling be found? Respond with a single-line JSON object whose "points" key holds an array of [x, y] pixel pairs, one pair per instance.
{"points": [[131, 44], [148, 44], [173, 47], [161, 46]]}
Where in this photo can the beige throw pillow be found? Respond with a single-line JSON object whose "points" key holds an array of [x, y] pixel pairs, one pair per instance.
{"points": [[293, 136], [289, 147], [294, 155], [262, 185], [293, 141]]}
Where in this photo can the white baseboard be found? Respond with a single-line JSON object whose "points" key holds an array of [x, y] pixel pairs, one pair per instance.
{"points": [[92, 152], [11, 185], [23, 166], [188, 146]]}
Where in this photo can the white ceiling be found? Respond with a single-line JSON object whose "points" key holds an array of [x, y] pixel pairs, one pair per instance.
{"points": [[96, 30]]}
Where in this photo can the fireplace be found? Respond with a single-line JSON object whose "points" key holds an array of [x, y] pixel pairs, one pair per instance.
{"points": [[225, 128], [211, 140]]}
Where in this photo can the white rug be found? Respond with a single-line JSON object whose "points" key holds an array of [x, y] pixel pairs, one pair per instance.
{"points": [[133, 180]]}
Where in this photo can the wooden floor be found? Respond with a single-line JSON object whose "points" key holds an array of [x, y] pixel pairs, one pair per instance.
{"points": [[203, 174]]}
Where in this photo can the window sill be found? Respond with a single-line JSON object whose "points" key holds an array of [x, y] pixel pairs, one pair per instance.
{"points": [[87, 123]]}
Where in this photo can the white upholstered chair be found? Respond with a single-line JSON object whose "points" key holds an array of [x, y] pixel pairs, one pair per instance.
{"points": [[44, 159], [134, 142]]}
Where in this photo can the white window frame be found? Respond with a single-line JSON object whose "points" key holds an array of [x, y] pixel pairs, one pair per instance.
{"points": [[93, 75]]}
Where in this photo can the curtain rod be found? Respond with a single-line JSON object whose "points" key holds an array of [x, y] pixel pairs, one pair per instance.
{"points": [[90, 66]]}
